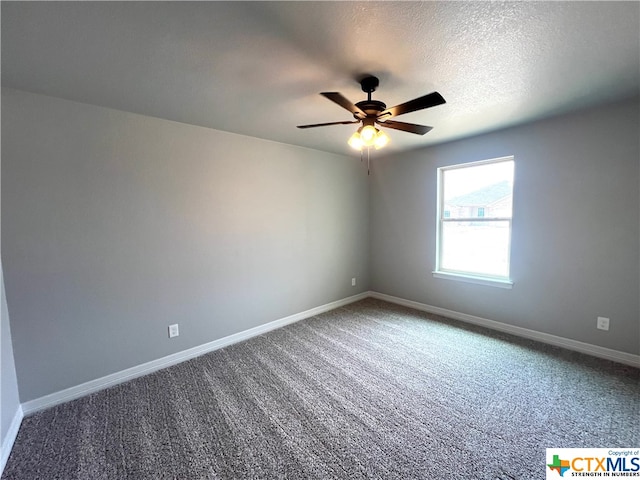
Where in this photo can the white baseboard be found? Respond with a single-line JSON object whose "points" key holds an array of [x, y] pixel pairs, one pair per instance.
{"points": [[10, 438], [92, 386], [589, 349], [149, 367]]}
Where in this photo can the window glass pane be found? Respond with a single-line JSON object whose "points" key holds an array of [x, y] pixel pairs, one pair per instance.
{"points": [[479, 191], [476, 247]]}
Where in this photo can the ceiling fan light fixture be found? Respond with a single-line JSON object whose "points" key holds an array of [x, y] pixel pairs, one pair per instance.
{"points": [[381, 140], [355, 141], [368, 135], [378, 140]]}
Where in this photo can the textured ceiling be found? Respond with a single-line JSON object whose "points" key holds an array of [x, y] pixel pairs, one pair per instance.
{"points": [[256, 68]]}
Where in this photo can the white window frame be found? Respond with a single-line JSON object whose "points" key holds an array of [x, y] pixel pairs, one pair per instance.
{"points": [[439, 272]]}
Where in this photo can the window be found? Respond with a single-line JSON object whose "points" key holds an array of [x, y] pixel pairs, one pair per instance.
{"points": [[474, 222]]}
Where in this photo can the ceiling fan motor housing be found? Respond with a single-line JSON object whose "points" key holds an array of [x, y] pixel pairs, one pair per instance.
{"points": [[370, 107]]}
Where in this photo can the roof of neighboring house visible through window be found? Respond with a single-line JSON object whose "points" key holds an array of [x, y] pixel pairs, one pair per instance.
{"points": [[484, 196]]}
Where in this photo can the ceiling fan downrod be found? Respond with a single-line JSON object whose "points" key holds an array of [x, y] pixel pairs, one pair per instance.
{"points": [[371, 107]]}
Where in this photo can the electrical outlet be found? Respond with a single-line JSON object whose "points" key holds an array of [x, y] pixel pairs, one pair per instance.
{"points": [[173, 330], [353, 282], [602, 323]]}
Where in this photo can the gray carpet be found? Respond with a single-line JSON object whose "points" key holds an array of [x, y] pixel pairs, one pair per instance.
{"points": [[370, 390]]}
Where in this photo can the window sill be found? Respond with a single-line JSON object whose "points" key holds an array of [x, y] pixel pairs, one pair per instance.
{"points": [[490, 282]]}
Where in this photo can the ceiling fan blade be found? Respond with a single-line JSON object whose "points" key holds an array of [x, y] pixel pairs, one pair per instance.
{"points": [[406, 127], [347, 122], [344, 103], [427, 101]]}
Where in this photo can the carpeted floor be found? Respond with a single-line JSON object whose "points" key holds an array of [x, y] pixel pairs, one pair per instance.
{"points": [[370, 390]]}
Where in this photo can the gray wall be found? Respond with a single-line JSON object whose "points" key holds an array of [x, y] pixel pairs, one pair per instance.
{"points": [[9, 400], [116, 225], [575, 227]]}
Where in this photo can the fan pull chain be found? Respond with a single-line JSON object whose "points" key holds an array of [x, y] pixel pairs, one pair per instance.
{"points": [[368, 159]]}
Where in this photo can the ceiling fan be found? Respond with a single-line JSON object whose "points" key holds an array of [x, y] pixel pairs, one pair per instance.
{"points": [[371, 112]]}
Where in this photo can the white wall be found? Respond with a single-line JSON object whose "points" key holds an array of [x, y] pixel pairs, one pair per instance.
{"points": [[116, 225], [575, 245]]}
